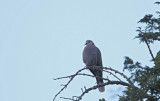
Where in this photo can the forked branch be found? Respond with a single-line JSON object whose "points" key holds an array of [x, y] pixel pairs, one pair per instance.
{"points": [[109, 70]]}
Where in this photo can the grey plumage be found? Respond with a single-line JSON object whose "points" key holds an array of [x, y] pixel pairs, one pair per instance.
{"points": [[92, 57]]}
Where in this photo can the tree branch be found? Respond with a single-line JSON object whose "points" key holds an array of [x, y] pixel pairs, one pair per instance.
{"points": [[149, 49], [116, 71], [109, 82], [112, 74], [68, 82], [101, 85]]}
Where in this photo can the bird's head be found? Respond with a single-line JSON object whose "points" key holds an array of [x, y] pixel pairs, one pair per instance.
{"points": [[89, 42]]}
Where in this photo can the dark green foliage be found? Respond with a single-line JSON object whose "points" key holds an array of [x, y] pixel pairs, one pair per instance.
{"points": [[157, 60], [157, 3], [151, 32], [130, 66], [146, 79], [102, 99]]}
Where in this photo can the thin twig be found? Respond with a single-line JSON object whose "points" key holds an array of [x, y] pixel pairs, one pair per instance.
{"points": [[116, 71], [67, 98], [68, 83], [83, 74], [112, 74], [92, 76]]}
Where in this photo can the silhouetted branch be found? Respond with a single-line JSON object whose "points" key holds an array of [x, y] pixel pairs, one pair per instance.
{"points": [[112, 74], [113, 70], [83, 74], [67, 98], [150, 51], [68, 82], [109, 82], [101, 85], [116, 71], [78, 98]]}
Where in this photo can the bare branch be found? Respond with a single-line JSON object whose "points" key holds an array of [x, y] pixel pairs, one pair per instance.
{"points": [[112, 74], [67, 98], [101, 85], [97, 86], [92, 76], [109, 82], [68, 82], [83, 74], [116, 71]]}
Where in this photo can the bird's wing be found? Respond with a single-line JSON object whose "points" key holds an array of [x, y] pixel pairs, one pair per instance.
{"points": [[99, 58], [90, 55]]}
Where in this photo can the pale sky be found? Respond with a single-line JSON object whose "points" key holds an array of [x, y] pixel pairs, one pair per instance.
{"points": [[44, 39]]}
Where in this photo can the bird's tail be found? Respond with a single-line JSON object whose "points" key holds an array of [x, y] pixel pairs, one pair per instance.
{"points": [[101, 89], [100, 81]]}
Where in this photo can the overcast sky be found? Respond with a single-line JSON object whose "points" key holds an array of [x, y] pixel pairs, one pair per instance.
{"points": [[44, 39]]}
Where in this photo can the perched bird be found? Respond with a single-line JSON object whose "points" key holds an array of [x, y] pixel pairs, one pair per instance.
{"points": [[92, 57]]}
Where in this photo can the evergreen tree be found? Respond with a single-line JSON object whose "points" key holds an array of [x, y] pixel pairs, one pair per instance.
{"points": [[145, 78]]}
